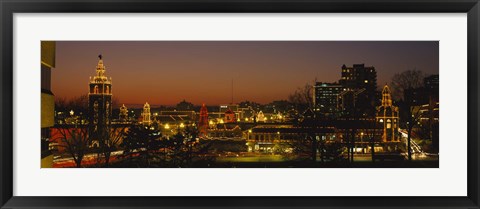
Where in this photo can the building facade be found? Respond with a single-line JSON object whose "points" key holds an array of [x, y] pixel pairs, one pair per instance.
{"points": [[99, 103], [388, 117], [146, 115], [359, 77], [123, 115], [47, 101], [326, 97], [203, 121]]}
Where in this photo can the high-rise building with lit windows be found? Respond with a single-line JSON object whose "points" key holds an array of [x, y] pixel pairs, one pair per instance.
{"points": [[360, 77], [326, 97]]}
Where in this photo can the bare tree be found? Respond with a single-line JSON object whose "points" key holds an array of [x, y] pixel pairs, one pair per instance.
{"points": [[302, 98], [409, 79], [401, 82], [111, 142], [61, 103], [76, 142], [78, 104]]}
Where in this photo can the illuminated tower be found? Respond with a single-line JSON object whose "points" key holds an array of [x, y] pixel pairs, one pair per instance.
{"points": [[99, 103], [146, 115], [123, 115], [203, 122], [387, 117], [260, 117]]}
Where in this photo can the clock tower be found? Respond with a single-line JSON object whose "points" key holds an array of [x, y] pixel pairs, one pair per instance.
{"points": [[99, 104]]}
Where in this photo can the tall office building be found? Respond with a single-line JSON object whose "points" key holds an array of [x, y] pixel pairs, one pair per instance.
{"points": [[360, 77], [326, 97], [47, 100]]}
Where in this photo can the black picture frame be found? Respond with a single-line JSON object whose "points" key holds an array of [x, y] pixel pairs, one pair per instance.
{"points": [[10, 7]]}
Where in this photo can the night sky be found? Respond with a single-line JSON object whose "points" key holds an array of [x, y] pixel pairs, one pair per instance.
{"points": [[166, 72]]}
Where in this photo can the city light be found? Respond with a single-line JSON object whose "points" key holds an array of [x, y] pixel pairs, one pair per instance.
{"points": [[349, 121]]}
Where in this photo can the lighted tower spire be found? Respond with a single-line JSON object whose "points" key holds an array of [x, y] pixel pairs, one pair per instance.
{"points": [[386, 96], [387, 117], [146, 115], [100, 103], [203, 122], [123, 115]]}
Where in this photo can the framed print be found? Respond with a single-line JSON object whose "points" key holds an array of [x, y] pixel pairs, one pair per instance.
{"points": [[240, 104]]}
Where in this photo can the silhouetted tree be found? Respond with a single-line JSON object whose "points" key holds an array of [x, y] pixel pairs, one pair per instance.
{"points": [[302, 98], [334, 152], [140, 144], [186, 149], [409, 113], [111, 142], [409, 79], [75, 140]]}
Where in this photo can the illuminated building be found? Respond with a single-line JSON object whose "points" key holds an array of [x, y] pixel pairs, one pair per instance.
{"points": [[225, 107], [387, 117], [264, 138], [123, 115], [358, 77], [188, 114], [203, 122], [99, 103], [230, 116], [47, 101], [234, 108], [326, 97], [361, 77], [260, 117], [146, 116], [426, 100]]}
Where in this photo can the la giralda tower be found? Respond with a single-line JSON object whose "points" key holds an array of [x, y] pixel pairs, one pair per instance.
{"points": [[99, 104]]}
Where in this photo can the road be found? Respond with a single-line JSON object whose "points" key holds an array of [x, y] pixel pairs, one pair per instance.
{"points": [[417, 152]]}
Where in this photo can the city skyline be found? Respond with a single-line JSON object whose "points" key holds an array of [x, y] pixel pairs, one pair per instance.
{"points": [[165, 73], [330, 116]]}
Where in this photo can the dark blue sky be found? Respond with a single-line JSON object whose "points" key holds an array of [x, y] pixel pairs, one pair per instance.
{"points": [[166, 72]]}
